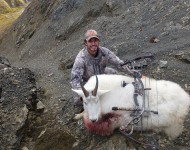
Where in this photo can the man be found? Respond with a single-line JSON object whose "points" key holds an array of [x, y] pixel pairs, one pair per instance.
{"points": [[92, 60]]}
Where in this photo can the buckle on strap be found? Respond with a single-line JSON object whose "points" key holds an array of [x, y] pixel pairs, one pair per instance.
{"points": [[135, 93]]}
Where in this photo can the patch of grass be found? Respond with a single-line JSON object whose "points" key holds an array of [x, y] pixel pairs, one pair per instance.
{"points": [[9, 16]]}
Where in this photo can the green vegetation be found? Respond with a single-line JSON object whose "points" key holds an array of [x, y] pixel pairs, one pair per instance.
{"points": [[8, 16], [4, 6]]}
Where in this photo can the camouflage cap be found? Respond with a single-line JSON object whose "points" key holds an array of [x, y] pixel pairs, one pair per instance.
{"points": [[91, 34]]}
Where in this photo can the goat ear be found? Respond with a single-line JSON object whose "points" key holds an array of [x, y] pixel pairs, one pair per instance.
{"points": [[101, 92], [79, 92]]}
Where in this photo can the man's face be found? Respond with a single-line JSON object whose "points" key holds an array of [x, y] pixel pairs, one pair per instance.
{"points": [[92, 46]]}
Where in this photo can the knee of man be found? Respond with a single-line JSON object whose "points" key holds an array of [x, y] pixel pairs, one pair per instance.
{"points": [[110, 71], [77, 102]]}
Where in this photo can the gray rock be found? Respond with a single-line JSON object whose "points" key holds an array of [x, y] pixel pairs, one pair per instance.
{"points": [[13, 112], [163, 64], [40, 106]]}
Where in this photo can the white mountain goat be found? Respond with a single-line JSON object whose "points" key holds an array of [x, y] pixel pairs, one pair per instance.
{"points": [[168, 98], [105, 84]]}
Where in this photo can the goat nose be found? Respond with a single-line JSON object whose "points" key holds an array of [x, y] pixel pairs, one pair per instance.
{"points": [[93, 120]]}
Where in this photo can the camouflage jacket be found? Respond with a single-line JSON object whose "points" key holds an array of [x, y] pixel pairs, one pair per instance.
{"points": [[86, 65]]}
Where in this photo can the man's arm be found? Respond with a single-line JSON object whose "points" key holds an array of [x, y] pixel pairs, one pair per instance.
{"points": [[76, 76], [113, 59], [116, 61]]}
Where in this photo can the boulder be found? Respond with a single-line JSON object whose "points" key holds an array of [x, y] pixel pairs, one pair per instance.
{"points": [[16, 85]]}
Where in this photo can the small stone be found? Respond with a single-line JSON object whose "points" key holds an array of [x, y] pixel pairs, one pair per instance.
{"points": [[154, 40], [163, 64], [40, 106], [75, 144], [24, 148], [2, 99]]}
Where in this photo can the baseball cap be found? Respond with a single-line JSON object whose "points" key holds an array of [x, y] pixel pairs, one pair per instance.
{"points": [[91, 34]]}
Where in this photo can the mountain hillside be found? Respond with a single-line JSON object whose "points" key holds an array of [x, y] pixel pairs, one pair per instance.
{"points": [[49, 34]]}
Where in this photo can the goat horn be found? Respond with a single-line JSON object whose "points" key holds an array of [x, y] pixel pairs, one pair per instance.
{"points": [[86, 93], [96, 87]]}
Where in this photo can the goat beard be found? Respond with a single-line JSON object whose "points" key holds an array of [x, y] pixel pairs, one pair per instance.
{"points": [[105, 126]]}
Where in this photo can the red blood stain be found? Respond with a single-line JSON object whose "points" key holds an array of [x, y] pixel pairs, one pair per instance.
{"points": [[104, 126]]}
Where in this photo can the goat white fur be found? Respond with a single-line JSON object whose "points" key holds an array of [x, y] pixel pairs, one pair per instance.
{"points": [[168, 98], [107, 81]]}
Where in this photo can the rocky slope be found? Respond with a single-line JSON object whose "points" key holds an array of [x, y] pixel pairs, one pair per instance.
{"points": [[49, 34], [17, 89]]}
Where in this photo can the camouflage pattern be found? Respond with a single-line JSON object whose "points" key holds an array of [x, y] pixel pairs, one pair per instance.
{"points": [[86, 66]]}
